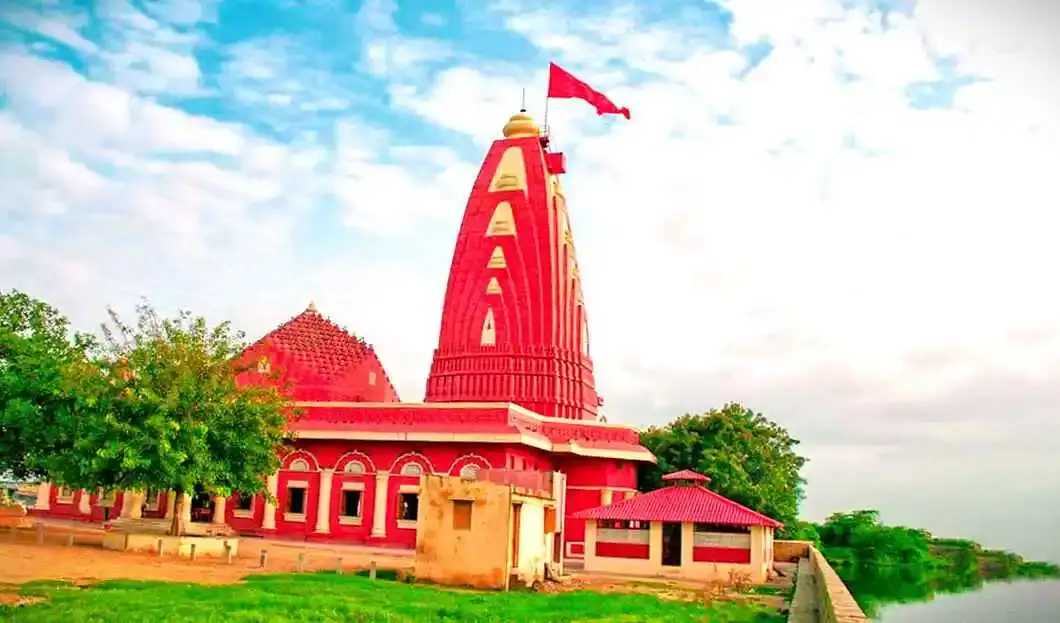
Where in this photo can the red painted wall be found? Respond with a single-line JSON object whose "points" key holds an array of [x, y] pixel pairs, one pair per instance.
{"points": [[731, 555], [594, 472], [623, 550]]}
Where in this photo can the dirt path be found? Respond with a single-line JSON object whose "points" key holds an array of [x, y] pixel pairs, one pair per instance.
{"points": [[84, 562]]}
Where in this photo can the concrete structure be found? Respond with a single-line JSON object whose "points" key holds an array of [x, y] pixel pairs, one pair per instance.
{"points": [[511, 387], [820, 595], [680, 531], [487, 533]]}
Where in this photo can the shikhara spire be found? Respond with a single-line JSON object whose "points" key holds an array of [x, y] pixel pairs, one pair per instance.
{"points": [[514, 327]]}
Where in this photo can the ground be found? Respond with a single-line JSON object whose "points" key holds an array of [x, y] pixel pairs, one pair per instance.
{"points": [[58, 582]]}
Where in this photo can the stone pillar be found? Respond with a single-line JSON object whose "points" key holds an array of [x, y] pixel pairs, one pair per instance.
{"points": [[185, 512], [44, 496], [324, 502], [382, 480], [171, 504], [84, 503], [132, 505], [268, 520], [219, 503], [606, 495]]}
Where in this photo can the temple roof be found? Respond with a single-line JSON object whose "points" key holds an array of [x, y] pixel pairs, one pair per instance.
{"points": [[681, 504], [685, 474], [319, 357]]}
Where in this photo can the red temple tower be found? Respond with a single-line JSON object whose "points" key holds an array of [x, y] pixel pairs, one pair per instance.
{"points": [[514, 326]]}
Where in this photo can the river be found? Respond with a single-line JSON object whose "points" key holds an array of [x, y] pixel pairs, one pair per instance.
{"points": [[910, 598], [1024, 601]]}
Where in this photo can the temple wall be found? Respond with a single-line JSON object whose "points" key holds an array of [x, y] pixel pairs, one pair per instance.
{"points": [[592, 482], [383, 485]]}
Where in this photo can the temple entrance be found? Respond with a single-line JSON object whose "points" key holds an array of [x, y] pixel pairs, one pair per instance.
{"points": [[671, 544], [201, 506]]}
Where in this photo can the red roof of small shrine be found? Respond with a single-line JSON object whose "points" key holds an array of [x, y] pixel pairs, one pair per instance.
{"points": [[681, 504], [685, 474], [322, 361]]}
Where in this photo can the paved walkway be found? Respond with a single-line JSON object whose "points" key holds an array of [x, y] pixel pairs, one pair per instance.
{"points": [[804, 604]]}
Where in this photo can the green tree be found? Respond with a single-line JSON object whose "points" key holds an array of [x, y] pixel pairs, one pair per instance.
{"points": [[170, 415], [42, 366], [749, 458], [858, 537]]}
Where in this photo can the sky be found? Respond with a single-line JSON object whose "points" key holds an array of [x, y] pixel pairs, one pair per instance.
{"points": [[841, 214]]}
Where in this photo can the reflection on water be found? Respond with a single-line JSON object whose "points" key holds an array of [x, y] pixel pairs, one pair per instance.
{"points": [[912, 595]]}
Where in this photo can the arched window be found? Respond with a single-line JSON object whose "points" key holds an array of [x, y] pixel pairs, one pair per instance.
{"points": [[299, 465], [354, 467], [469, 471], [411, 469]]}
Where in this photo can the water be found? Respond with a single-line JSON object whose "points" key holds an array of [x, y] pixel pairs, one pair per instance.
{"points": [[1005, 602], [912, 596]]}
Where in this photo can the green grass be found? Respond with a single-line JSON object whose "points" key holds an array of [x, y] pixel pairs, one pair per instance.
{"points": [[350, 598]]}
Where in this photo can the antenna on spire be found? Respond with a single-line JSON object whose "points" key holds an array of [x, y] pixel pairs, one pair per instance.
{"points": [[523, 107]]}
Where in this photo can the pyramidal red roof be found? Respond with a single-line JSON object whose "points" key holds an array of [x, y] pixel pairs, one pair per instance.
{"points": [[685, 474], [315, 352], [681, 504]]}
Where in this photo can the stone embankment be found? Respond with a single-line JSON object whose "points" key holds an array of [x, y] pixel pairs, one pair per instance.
{"points": [[820, 596]]}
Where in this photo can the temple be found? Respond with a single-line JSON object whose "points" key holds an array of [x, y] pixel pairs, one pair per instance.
{"points": [[510, 398]]}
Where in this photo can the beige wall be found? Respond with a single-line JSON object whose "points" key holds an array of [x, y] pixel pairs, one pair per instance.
{"points": [[761, 540], [535, 546], [791, 551], [835, 604], [478, 557]]}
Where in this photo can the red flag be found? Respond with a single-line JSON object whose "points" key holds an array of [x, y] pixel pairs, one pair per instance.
{"points": [[562, 85]]}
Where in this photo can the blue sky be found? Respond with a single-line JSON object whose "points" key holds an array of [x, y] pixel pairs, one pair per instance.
{"points": [[839, 213]]}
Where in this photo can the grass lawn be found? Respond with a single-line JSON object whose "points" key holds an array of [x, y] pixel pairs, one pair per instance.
{"points": [[330, 597]]}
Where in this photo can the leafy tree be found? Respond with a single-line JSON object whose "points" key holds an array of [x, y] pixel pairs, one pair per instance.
{"points": [[858, 537], [170, 416], [749, 458], [42, 367]]}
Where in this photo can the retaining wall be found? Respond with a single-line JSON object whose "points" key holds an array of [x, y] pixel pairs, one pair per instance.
{"points": [[820, 596]]}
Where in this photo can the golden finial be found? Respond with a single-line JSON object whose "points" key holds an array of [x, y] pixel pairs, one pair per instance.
{"points": [[521, 125], [312, 307]]}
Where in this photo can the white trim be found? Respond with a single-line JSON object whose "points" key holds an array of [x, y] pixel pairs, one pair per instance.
{"points": [[311, 460], [297, 484], [294, 517], [468, 459], [409, 489], [570, 549], [353, 486], [405, 524], [426, 465], [298, 465], [356, 455], [346, 520], [243, 514]]}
